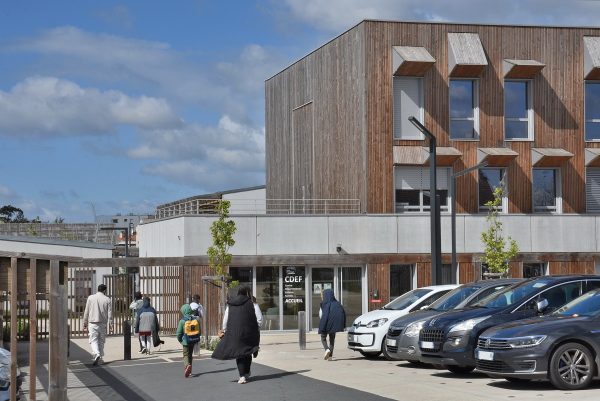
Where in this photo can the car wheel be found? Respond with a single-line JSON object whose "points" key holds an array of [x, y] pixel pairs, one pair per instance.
{"points": [[370, 355], [460, 370], [571, 367]]}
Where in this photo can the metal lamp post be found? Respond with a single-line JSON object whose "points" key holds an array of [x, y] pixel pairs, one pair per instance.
{"points": [[436, 236], [453, 197]]}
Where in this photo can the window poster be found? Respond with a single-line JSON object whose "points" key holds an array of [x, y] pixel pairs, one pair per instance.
{"points": [[293, 288]]}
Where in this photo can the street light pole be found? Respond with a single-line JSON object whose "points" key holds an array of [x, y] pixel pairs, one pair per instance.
{"points": [[453, 212], [436, 236]]}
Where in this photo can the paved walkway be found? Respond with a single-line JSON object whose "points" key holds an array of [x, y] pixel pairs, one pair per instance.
{"points": [[281, 372]]}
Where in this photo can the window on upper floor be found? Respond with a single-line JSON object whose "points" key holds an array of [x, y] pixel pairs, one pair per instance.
{"points": [[592, 189], [546, 190], [489, 180], [592, 111], [408, 101], [464, 109], [412, 188], [518, 110]]}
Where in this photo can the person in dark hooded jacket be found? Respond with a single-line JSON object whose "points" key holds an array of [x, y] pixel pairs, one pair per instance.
{"points": [[242, 336], [332, 319]]}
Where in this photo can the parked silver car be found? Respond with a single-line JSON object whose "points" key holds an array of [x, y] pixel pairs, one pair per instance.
{"points": [[403, 333]]}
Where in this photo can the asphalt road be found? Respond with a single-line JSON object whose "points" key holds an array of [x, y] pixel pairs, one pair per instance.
{"points": [[162, 380]]}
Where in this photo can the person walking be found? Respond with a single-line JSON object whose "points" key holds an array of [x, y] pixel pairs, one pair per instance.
{"points": [[198, 312], [146, 322], [332, 319], [135, 306], [242, 336], [188, 334], [98, 319]]}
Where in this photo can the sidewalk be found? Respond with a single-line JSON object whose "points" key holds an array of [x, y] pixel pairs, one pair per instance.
{"points": [[283, 371]]}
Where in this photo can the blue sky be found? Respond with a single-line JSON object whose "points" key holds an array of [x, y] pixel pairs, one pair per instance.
{"points": [[129, 104]]}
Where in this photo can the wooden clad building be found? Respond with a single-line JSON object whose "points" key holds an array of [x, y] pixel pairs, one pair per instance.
{"points": [[522, 99]]}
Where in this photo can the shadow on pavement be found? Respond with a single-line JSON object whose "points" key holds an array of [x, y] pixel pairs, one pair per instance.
{"points": [[536, 385], [277, 375], [450, 375]]}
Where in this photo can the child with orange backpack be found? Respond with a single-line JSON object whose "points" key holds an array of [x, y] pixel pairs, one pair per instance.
{"points": [[188, 334]]}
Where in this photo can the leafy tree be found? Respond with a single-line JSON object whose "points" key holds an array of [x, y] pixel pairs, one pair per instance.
{"points": [[222, 231], [8, 211], [497, 250]]}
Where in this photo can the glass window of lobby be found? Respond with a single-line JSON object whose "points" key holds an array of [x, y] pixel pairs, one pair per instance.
{"points": [[464, 109], [592, 111], [518, 112], [408, 101]]}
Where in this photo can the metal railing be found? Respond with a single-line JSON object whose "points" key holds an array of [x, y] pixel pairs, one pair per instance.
{"points": [[262, 206]]}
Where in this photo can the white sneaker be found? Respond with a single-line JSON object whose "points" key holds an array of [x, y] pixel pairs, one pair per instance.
{"points": [[242, 380], [96, 359], [327, 354]]}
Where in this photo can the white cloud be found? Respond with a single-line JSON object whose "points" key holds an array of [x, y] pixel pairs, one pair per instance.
{"points": [[5, 194], [227, 87], [339, 15], [56, 107]]}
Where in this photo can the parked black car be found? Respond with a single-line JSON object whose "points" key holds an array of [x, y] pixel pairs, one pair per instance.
{"points": [[449, 339], [402, 340], [563, 346]]}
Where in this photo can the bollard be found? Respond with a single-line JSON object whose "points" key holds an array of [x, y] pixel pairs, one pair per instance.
{"points": [[302, 329], [126, 340]]}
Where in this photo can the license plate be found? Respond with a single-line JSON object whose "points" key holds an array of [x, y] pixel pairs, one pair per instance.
{"points": [[485, 355], [390, 342], [427, 345]]}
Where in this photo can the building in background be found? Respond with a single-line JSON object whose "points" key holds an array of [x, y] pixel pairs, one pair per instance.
{"points": [[523, 99]]}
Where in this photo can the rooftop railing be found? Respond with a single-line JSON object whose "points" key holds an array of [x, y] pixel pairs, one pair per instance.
{"points": [[262, 206]]}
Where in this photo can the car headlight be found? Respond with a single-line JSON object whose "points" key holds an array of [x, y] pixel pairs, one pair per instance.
{"points": [[4, 384], [413, 329], [525, 342], [467, 325], [376, 323]]}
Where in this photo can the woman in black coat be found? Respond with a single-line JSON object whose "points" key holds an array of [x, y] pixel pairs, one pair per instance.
{"points": [[242, 336], [333, 319]]}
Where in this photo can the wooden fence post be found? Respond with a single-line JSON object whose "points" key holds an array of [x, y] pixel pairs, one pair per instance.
{"points": [[32, 327], [13, 328], [57, 390]]}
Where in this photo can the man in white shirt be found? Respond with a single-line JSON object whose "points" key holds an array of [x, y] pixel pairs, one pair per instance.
{"points": [[98, 319]]}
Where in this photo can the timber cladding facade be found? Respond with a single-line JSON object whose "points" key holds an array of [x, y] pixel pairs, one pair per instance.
{"points": [[331, 131]]}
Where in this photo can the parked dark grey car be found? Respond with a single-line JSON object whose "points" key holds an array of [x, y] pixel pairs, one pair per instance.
{"points": [[449, 339], [402, 340], [563, 346]]}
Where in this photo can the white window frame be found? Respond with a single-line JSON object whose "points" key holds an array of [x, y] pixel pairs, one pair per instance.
{"points": [[585, 119], [475, 117], [530, 114], [557, 188], [504, 205], [421, 117], [421, 207]]}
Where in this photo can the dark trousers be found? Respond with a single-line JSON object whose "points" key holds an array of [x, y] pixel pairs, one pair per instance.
{"points": [[243, 365], [331, 342], [188, 354]]}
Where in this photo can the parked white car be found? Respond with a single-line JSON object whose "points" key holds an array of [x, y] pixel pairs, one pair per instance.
{"points": [[368, 332], [5, 377]]}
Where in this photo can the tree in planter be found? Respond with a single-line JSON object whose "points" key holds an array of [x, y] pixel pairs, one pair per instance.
{"points": [[219, 258], [497, 250]]}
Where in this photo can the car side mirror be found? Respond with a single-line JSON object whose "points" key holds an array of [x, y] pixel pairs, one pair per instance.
{"points": [[541, 305]]}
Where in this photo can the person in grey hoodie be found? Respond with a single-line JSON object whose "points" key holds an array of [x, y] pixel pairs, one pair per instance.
{"points": [[146, 322], [135, 306]]}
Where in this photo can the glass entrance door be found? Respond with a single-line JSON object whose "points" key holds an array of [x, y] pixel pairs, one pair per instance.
{"points": [[350, 279], [322, 279]]}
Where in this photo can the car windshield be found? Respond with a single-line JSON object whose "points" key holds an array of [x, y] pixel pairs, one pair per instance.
{"points": [[513, 294], [453, 298], [586, 305], [405, 300]]}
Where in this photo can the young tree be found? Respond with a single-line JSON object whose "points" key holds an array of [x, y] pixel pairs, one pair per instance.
{"points": [[222, 231], [496, 253]]}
